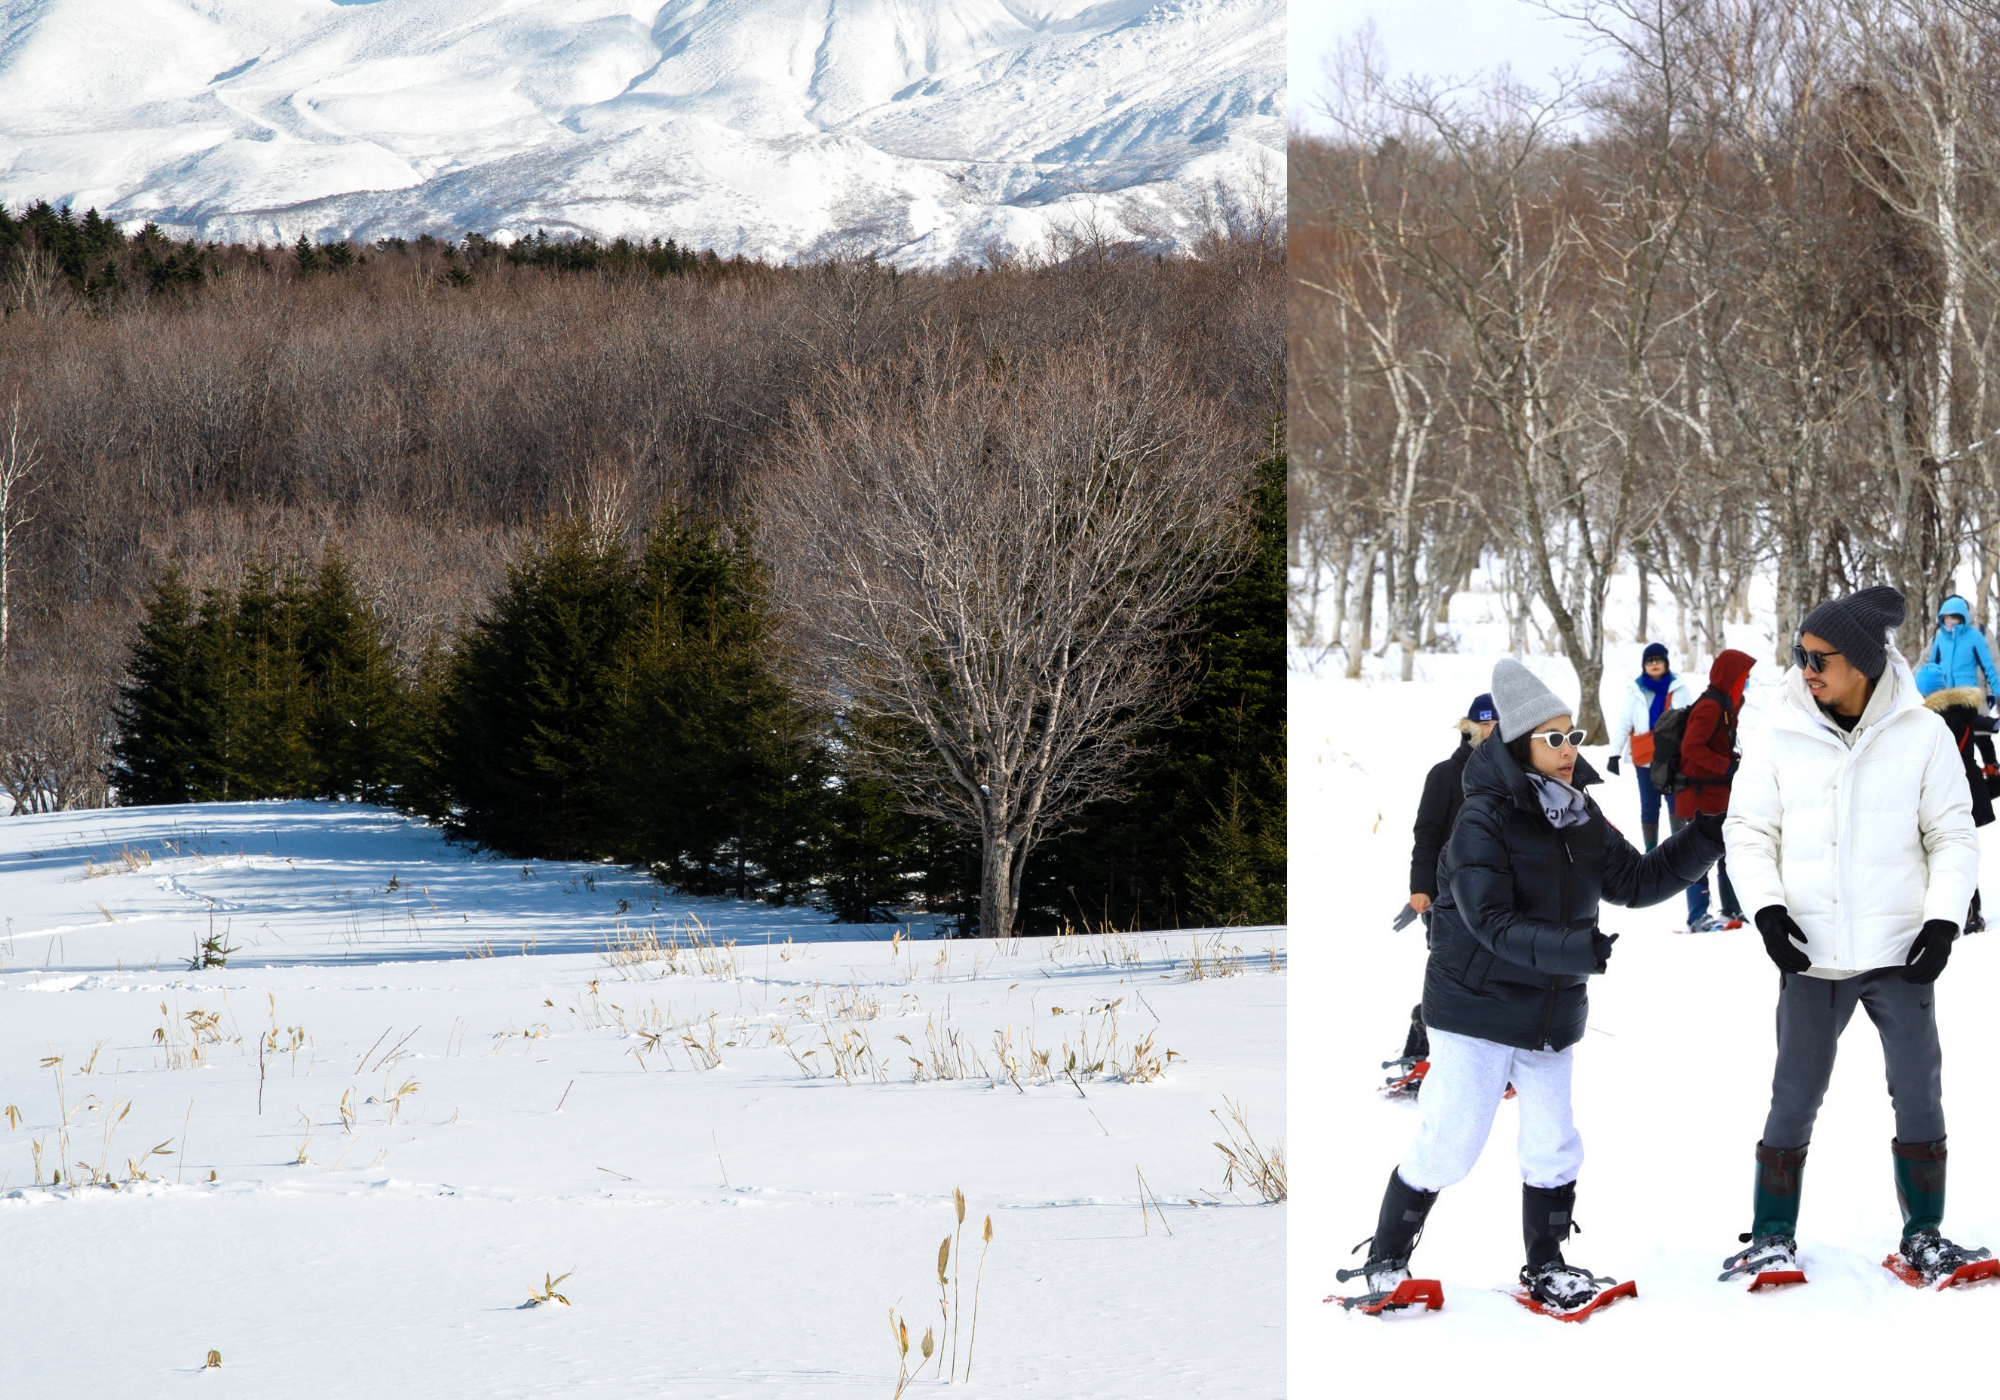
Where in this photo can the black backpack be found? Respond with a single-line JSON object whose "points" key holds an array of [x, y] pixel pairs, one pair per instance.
{"points": [[1666, 769]]}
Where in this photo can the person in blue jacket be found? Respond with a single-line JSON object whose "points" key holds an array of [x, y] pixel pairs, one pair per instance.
{"points": [[1960, 650]]}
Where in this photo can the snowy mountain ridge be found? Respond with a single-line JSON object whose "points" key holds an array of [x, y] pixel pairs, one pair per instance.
{"points": [[923, 128]]}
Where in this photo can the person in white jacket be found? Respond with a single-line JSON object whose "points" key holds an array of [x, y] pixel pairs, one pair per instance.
{"points": [[1850, 833], [1654, 691]]}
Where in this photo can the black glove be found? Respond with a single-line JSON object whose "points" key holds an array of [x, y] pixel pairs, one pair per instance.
{"points": [[1783, 939], [1613, 763], [1930, 952], [1709, 824], [1600, 944]]}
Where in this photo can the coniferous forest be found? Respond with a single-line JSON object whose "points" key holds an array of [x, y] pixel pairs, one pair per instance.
{"points": [[476, 531]]}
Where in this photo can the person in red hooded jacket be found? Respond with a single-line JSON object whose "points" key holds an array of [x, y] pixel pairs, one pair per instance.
{"points": [[1707, 763]]}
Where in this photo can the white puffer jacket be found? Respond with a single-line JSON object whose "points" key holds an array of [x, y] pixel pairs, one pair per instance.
{"points": [[1635, 715], [1861, 837]]}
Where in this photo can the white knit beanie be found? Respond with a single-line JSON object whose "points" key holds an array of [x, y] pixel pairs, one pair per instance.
{"points": [[1523, 701]]}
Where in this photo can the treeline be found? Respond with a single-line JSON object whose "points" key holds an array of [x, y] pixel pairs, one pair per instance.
{"points": [[1727, 311], [609, 703], [57, 259], [630, 702]]}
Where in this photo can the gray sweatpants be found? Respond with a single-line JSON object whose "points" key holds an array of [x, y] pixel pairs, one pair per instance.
{"points": [[1813, 1011]]}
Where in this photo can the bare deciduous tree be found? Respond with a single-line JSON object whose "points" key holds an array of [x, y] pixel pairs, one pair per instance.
{"points": [[986, 568], [20, 455], [55, 699]]}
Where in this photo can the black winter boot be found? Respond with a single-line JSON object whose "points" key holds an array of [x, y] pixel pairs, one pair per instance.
{"points": [[1651, 831], [1397, 1228], [1546, 1221], [1417, 1045]]}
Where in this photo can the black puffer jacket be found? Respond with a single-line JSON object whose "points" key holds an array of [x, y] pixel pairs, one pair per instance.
{"points": [[1510, 937], [1444, 794]]}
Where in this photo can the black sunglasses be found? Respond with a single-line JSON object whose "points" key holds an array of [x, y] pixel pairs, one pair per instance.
{"points": [[1811, 660], [1556, 738]]}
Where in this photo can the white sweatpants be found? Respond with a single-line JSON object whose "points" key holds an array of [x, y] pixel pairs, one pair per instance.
{"points": [[1466, 1081]]}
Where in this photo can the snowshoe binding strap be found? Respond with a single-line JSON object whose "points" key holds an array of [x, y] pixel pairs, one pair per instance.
{"points": [[1408, 1293], [1373, 1266], [1770, 1260], [1563, 1286]]}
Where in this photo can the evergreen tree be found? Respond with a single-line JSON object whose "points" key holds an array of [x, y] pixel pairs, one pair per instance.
{"points": [[869, 853], [1225, 884], [354, 727], [714, 775], [418, 757], [277, 758], [222, 704], [531, 689], [159, 714], [308, 258]]}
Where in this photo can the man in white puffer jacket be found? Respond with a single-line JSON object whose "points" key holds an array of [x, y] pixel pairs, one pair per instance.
{"points": [[1850, 833]]}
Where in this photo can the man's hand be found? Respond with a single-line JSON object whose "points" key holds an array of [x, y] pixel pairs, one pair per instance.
{"points": [[1709, 824], [1420, 902], [1931, 951], [1784, 940], [1612, 763]]}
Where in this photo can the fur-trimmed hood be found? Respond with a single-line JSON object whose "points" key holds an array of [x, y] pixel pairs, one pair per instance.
{"points": [[1470, 729], [1942, 700]]}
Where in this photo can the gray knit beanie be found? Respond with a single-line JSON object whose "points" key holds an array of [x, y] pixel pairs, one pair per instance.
{"points": [[1858, 626], [1523, 701]]}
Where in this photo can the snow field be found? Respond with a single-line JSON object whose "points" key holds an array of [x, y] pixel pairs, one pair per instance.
{"points": [[723, 1134], [1672, 1083]]}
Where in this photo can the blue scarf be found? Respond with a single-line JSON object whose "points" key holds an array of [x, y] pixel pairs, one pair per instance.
{"points": [[1659, 689]]}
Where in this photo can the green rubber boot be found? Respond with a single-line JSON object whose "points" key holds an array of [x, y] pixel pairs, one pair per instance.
{"points": [[1775, 1200], [1919, 1184]]}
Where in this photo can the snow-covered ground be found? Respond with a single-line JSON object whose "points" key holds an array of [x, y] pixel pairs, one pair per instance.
{"points": [[343, 1159], [1672, 1083], [766, 127]]}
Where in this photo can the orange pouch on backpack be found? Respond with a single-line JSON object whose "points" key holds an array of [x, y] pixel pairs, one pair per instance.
{"points": [[1642, 749]]}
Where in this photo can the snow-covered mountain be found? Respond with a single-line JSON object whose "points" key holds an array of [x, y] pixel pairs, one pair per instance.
{"points": [[925, 128]]}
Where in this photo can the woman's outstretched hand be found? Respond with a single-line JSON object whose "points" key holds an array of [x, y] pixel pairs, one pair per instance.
{"points": [[1600, 944]]}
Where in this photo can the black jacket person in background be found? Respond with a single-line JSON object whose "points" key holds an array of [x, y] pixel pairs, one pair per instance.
{"points": [[1444, 794], [1437, 813]]}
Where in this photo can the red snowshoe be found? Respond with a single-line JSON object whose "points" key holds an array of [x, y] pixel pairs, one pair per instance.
{"points": [[1929, 1260], [1567, 1293]]}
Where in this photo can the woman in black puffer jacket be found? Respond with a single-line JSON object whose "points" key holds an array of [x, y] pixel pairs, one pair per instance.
{"points": [[1514, 939]]}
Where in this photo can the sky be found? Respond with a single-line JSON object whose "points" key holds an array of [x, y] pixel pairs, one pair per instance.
{"points": [[1438, 37]]}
